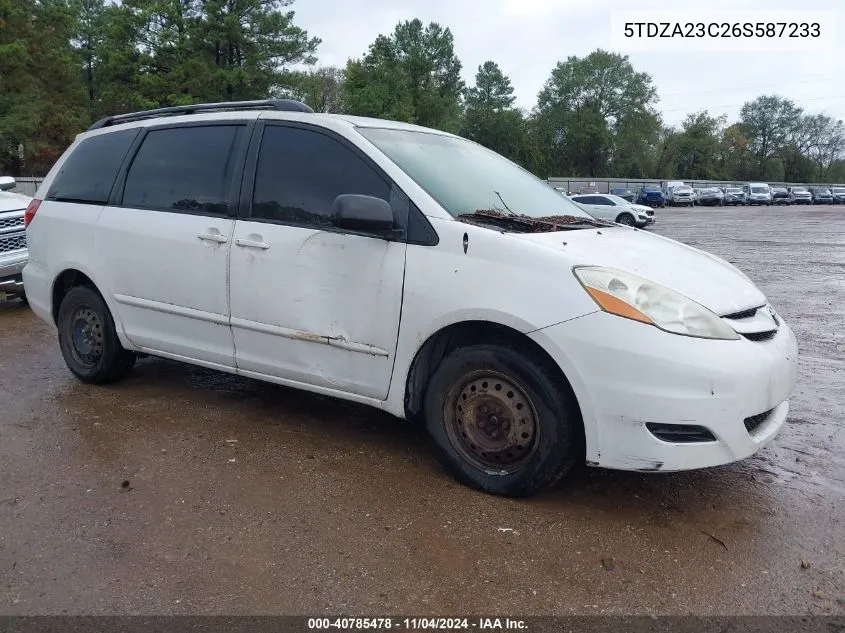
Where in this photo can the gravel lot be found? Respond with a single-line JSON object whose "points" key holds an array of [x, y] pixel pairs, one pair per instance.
{"points": [[183, 490]]}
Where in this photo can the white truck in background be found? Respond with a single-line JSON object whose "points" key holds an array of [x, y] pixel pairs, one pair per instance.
{"points": [[678, 193]]}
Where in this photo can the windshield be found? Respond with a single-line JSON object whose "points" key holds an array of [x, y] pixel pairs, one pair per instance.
{"points": [[838, 190], [465, 177], [799, 190], [651, 189], [733, 190], [617, 200], [682, 190], [759, 190]]}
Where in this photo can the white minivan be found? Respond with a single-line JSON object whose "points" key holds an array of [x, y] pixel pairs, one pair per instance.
{"points": [[410, 270]]}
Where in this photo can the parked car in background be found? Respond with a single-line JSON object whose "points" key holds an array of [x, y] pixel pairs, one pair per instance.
{"points": [[710, 196], [589, 189], [13, 252], [615, 209], [681, 196], [625, 194], [780, 195], [651, 196], [734, 196], [838, 194], [821, 195], [757, 193], [800, 195], [170, 233]]}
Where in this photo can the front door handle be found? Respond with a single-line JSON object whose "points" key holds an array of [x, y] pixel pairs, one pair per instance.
{"points": [[213, 235], [252, 244]]}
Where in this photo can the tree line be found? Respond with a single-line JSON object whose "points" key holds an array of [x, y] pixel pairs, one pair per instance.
{"points": [[67, 63]]}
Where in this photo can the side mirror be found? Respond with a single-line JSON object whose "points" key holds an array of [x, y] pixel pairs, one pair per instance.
{"points": [[7, 183], [367, 214]]}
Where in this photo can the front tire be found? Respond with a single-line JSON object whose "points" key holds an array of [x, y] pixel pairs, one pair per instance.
{"points": [[501, 421], [627, 219], [88, 339]]}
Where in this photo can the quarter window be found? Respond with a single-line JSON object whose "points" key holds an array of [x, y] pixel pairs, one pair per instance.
{"points": [[88, 174], [185, 169], [300, 172]]}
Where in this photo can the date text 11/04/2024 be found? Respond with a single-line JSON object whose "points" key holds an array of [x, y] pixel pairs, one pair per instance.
{"points": [[360, 624]]}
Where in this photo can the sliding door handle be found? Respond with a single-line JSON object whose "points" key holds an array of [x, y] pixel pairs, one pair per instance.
{"points": [[252, 244]]}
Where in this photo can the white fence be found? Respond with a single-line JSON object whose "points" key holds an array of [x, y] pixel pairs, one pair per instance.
{"points": [[604, 185]]}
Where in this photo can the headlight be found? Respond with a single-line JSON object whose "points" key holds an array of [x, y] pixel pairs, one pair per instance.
{"points": [[632, 297]]}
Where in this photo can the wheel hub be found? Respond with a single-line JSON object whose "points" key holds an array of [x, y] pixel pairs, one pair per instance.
{"points": [[87, 335], [491, 421]]}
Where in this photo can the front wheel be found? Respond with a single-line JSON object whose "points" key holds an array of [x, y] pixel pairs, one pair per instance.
{"points": [[626, 218], [501, 420], [88, 339]]}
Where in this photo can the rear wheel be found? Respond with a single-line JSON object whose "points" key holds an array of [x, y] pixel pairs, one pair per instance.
{"points": [[88, 339], [501, 421], [626, 218]]}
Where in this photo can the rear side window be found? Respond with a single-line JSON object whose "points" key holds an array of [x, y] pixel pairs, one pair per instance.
{"points": [[87, 175], [301, 172], [186, 169]]}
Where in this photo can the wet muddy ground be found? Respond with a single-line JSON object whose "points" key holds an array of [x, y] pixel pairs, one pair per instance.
{"points": [[183, 490]]}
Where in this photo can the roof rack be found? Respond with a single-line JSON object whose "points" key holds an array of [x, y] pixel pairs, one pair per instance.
{"points": [[284, 105]]}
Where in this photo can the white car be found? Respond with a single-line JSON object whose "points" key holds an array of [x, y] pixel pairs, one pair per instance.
{"points": [[410, 270], [615, 209], [13, 253]]}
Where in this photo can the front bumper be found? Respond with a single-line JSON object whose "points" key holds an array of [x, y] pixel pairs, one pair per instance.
{"points": [[626, 374], [11, 268]]}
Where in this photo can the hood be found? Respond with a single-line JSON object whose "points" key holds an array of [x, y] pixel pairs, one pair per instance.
{"points": [[704, 278], [13, 201]]}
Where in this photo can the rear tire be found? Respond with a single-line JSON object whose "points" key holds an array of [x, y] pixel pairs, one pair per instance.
{"points": [[501, 421], [88, 339]]}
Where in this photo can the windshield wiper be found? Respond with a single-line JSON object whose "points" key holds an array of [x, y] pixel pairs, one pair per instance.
{"points": [[563, 221], [528, 224], [504, 203]]}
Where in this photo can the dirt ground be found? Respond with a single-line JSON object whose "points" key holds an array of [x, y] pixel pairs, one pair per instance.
{"points": [[182, 490]]}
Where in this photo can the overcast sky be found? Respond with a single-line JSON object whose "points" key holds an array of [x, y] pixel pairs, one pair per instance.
{"points": [[527, 37]]}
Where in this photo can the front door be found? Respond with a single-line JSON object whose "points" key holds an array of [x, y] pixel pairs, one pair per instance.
{"points": [[311, 303], [167, 241]]}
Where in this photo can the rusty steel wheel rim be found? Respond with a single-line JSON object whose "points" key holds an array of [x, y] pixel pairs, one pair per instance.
{"points": [[491, 422]]}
